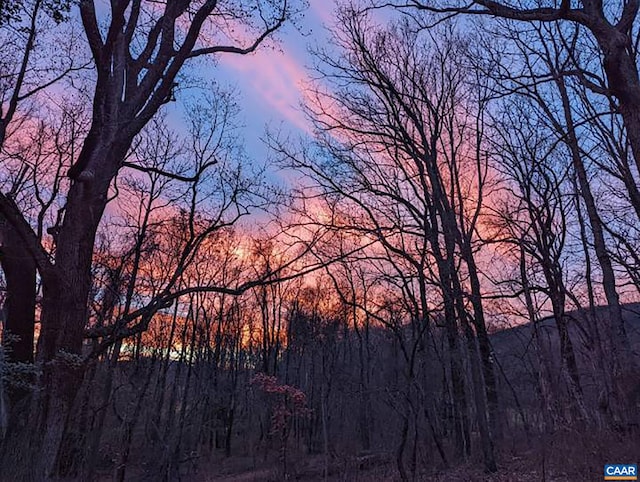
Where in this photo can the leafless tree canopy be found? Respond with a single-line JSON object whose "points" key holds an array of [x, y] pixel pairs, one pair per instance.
{"points": [[447, 288]]}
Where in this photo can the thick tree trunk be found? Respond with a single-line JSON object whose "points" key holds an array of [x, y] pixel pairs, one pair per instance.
{"points": [[64, 309], [479, 394], [622, 79], [19, 270], [401, 448], [569, 366], [446, 272], [462, 438]]}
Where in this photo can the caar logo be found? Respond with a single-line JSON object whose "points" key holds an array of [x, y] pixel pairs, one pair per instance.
{"points": [[621, 472]]}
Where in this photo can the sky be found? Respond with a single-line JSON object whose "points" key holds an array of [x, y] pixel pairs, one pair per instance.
{"points": [[270, 82], [268, 86]]}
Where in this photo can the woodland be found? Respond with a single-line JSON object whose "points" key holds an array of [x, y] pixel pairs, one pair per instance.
{"points": [[446, 287]]}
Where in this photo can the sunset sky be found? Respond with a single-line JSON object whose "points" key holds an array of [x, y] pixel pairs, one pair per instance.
{"points": [[395, 241], [269, 82]]}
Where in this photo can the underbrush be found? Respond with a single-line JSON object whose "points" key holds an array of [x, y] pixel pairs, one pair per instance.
{"points": [[564, 456]]}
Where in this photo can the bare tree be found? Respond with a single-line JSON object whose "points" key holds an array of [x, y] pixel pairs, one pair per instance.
{"points": [[138, 53], [612, 25], [398, 134], [562, 104], [535, 219], [29, 30]]}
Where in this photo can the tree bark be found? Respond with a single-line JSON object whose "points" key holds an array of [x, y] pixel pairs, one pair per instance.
{"points": [[64, 308], [20, 274], [484, 344], [622, 78], [479, 394]]}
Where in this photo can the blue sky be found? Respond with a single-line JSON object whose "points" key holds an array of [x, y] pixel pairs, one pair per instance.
{"points": [[269, 82]]}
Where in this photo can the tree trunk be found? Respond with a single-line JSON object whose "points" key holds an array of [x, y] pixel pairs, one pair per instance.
{"points": [[65, 302], [20, 274], [557, 293], [460, 416], [623, 357], [622, 79], [479, 395], [484, 344]]}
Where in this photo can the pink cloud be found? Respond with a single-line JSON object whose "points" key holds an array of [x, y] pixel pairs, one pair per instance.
{"points": [[323, 10], [275, 81]]}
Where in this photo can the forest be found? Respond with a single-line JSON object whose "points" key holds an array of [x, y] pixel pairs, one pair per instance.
{"points": [[436, 278]]}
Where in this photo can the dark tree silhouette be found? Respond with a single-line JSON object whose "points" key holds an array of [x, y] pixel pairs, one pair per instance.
{"points": [[138, 53]]}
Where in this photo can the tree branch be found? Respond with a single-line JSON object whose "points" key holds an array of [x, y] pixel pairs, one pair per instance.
{"points": [[488, 7], [10, 211]]}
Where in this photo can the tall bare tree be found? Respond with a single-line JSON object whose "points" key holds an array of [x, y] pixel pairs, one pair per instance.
{"points": [[30, 67], [138, 51], [400, 147], [612, 25], [535, 219]]}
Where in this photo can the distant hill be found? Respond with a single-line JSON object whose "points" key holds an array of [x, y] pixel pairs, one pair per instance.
{"points": [[517, 358]]}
